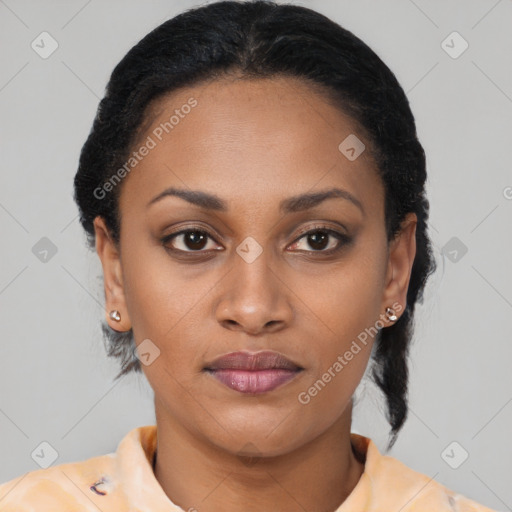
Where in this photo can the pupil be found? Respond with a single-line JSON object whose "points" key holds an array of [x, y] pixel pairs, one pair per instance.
{"points": [[315, 237], [194, 239]]}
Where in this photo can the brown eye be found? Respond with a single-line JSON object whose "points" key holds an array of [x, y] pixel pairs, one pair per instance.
{"points": [[321, 240], [191, 240], [318, 240]]}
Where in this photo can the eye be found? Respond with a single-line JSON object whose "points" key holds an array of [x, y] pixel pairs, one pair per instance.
{"points": [[321, 239], [189, 240]]}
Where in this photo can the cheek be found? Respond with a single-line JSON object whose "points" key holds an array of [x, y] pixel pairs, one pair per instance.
{"points": [[343, 331], [345, 301], [156, 293], [168, 304], [346, 307]]}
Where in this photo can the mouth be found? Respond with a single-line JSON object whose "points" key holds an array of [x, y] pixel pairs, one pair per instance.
{"points": [[253, 373]]}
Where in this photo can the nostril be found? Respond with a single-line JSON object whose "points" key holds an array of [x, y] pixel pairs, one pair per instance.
{"points": [[231, 322]]}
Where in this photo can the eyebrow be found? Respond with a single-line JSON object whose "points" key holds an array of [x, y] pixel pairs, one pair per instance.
{"points": [[290, 205]]}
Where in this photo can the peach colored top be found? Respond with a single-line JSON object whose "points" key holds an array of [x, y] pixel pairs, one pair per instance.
{"points": [[124, 481]]}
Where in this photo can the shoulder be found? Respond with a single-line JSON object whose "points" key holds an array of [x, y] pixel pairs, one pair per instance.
{"points": [[72, 486], [420, 492], [108, 482], [394, 485]]}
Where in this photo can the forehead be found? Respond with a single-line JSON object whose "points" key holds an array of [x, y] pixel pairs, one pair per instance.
{"points": [[275, 137]]}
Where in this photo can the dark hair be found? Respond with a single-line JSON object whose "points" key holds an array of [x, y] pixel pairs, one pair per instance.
{"points": [[258, 39]]}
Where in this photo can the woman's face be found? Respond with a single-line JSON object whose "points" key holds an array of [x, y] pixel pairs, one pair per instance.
{"points": [[245, 275]]}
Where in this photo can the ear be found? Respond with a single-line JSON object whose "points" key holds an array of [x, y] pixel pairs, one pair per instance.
{"points": [[112, 276], [402, 251]]}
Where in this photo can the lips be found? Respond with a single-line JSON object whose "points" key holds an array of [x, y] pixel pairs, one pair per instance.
{"points": [[253, 372], [266, 360]]}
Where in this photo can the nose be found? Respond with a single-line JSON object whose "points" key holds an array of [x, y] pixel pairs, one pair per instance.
{"points": [[253, 298]]}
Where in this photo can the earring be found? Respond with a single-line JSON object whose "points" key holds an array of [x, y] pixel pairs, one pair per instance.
{"points": [[391, 315], [115, 315]]}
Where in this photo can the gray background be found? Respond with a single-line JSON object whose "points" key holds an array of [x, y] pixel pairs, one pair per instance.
{"points": [[56, 383]]}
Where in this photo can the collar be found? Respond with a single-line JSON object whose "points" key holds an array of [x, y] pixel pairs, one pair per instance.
{"points": [[137, 449]]}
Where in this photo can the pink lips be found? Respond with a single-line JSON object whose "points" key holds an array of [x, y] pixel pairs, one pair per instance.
{"points": [[253, 372]]}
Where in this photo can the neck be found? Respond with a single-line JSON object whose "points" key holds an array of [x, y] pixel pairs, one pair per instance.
{"points": [[197, 475]]}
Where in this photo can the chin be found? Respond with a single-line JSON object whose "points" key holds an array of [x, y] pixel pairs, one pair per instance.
{"points": [[268, 438]]}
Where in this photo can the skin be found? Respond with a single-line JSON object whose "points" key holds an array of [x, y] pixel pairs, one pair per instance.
{"points": [[253, 143]]}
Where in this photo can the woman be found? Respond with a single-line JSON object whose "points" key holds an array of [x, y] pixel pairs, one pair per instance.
{"points": [[254, 188]]}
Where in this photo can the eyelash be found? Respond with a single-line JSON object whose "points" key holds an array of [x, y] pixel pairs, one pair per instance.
{"points": [[343, 239]]}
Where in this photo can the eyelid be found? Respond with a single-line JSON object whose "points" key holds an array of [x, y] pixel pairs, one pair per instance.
{"points": [[193, 227], [215, 236], [322, 226]]}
